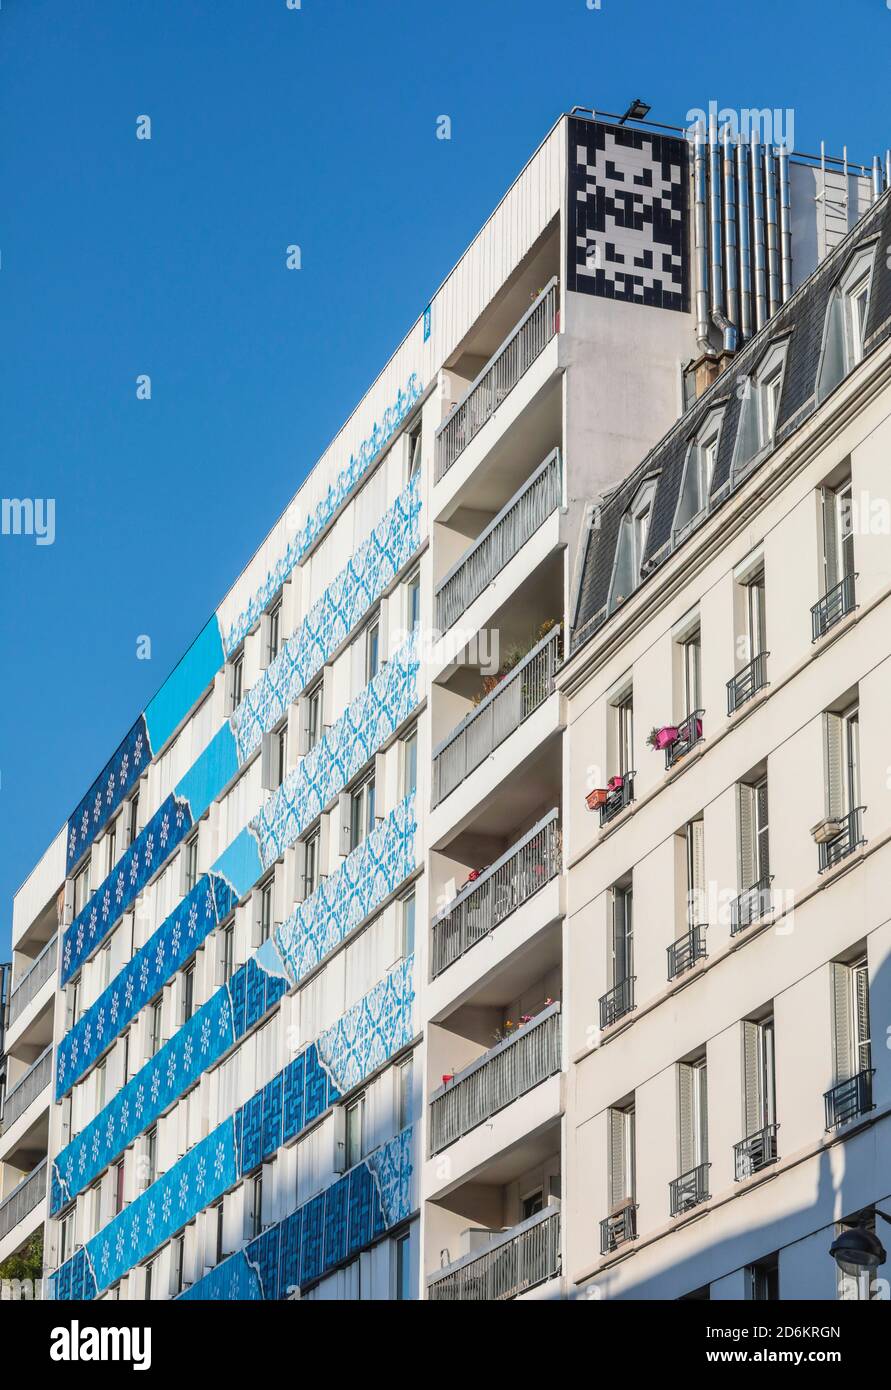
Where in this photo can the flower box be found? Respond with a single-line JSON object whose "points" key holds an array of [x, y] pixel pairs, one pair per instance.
{"points": [[596, 798], [615, 783], [662, 738]]}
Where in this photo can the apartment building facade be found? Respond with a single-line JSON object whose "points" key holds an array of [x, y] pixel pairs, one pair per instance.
{"points": [[290, 1012]]}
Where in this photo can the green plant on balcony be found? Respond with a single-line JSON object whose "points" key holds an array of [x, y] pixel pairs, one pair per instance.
{"points": [[513, 656], [26, 1263]]}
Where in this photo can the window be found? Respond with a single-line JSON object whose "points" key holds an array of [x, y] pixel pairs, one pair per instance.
{"points": [[631, 546], [691, 653], [622, 956], [405, 1073], [844, 335], [699, 469], [257, 1205], [623, 734], [95, 1208], [754, 835], [759, 1075], [314, 716], [403, 1268], [188, 993], [851, 1032], [111, 847], [410, 763], [125, 1068], [760, 409], [692, 1115], [273, 632], [361, 813], [842, 740], [191, 869], [149, 1280], [266, 896], [237, 679], [104, 963], [73, 1002], [177, 1261], [408, 925], [414, 451], [281, 755], [228, 948], [311, 864], [100, 1084], [838, 534], [218, 1232], [119, 1188], [532, 1205], [82, 888], [150, 1171], [764, 1280], [66, 1237], [353, 1137], [134, 815], [413, 601], [155, 1028], [622, 1161], [372, 650], [756, 627], [697, 891]]}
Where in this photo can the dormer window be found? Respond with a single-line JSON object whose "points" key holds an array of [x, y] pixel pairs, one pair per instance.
{"points": [[760, 409], [699, 469], [845, 333], [633, 532]]}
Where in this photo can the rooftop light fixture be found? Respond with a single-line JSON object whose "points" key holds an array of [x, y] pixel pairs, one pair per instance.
{"points": [[637, 111]]}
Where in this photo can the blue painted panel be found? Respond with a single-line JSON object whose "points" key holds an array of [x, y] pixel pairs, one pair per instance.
{"points": [[210, 773], [186, 683], [240, 864], [110, 788]]}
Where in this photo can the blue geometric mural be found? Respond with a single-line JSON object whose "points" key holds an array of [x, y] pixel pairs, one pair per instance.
{"points": [[343, 485], [166, 950], [110, 788]]}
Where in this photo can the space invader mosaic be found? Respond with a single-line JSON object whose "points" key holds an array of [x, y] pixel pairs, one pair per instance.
{"points": [[628, 224]]}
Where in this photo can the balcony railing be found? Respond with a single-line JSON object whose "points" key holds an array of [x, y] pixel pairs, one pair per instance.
{"points": [[755, 1152], [502, 539], [496, 717], [686, 951], [498, 378], [522, 1257], [850, 835], [751, 904], [31, 983], [503, 1074], [689, 734], [615, 1230], [35, 1080], [689, 1190], [747, 682], [618, 799], [23, 1199], [832, 607], [849, 1099], [497, 892], [617, 1002]]}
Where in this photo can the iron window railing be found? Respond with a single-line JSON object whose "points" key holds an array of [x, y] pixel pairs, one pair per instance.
{"points": [[832, 607], [689, 734], [23, 1199], [747, 682], [496, 717], [522, 1257], [497, 893], [849, 1099], [32, 982], [497, 379], [503, 1074], [686, 951], [618, 799], [755, 1152], [751, 904], [502, 539], [850, 835], [27, 1089], [689, 1190], [617, 1002], [618, 1228]]}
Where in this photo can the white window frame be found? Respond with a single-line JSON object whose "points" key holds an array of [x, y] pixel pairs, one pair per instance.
{"points": [[703, 451], [764, 392]]}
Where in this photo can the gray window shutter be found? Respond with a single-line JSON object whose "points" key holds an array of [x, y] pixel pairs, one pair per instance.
{"points": [[701, 1080], [751, 1078], [345, 817], [617, 1176], [747, 874], [860, 984], [687, 1143], [697, 894], [267, 762], [835, 781], [841, 1021], [831, 558]]}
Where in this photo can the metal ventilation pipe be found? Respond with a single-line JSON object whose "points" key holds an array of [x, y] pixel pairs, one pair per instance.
{"points": [[715, 244], [758, 246], [876, 179], [700, 235], [888, 168], [785, 224], [745, 260], [730, 247], [773, 266]]}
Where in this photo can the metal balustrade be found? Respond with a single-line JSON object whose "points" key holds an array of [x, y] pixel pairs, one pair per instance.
{"points": [[496, 717], [502, 539], [686, 951], [615, 1230], [751, 904], [23, 1199], [689, 1190], [850, 835], [689, 734], [755, 1152], [747, 682], [496, 893], [32, 982], [522, 1257], [849, 1099], [27, 1089], [835, 604], [618, 799], [617, 1002], [503, 1074], [498, 378]]}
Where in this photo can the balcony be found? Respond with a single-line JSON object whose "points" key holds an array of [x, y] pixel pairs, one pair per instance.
{"points": [[513, 1261], [30, 985], [755, 1152], [29, 1193], [498, 378], [747, 682], [617, 799], [503, 1074], [502, 539], [751, 904], [832, 607], [689, 734], [689, 1190], [838, 844], [617, 1002], [618, 1229], [849, 1099], [497, 893], [496, 717], [686, 951], [34, 1081]]}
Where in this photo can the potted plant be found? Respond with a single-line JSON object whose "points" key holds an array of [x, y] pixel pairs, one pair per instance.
{"points": [[616, 782], [596, 798], [662, 738]]}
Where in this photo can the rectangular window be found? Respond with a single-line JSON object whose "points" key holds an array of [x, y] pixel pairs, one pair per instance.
{"points": [[100, 1085], [313, 716], [281, 755], [622, 1161], [228, 945], [414, 451], [697, 891], [149, 1279], [354, 1119], [177, 1260], [95, 1208], [692, 656], [413, 601], [134, 815], [237, 680], [764, 1280], [756, 627], [188, 993], [119, 1188], [311, 864], [405, 1082], [838, 534], [151, 1158], [266, 899], [218, 1233], [408, 926], [155, 1030], [842, 752], [191, 864], [410, 763], [692, 1114], [372, 650], [66, 1237], [361, 813], [403, 1268], [257, 1205], [274, 633], [622, 956], [754, 834], [624, 717], [759, 1075], [111, 842], [82, 888], [851, 1032]]}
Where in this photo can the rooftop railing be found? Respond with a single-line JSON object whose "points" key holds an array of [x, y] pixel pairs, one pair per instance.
{"points": [[513, 1262]]}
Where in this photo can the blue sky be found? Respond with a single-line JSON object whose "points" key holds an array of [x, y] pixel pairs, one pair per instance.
{"points": [[271, 126]]}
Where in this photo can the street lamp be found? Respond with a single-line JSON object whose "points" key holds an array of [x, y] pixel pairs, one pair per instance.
{"points": [[637, 111], [859, 1251]]}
